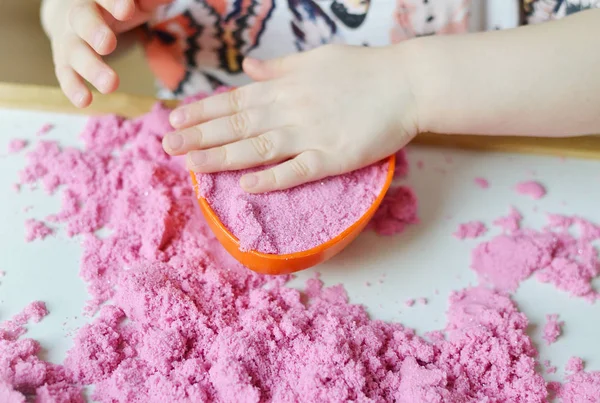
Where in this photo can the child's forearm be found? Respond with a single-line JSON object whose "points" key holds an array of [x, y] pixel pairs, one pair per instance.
{"points": [[541, 80]]}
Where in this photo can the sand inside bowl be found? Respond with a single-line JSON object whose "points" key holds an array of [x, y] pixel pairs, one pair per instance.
{"points": [[296, 219]]}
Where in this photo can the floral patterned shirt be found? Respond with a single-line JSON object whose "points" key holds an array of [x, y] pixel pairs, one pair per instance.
{"points": [[196, 45]]}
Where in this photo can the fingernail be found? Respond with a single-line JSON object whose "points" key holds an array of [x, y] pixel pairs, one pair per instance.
{"points": [[177, 117], [121, 7], [99, 38], [249, 181], [78, 98], [175, 141], [198, 157], [103, 81]]}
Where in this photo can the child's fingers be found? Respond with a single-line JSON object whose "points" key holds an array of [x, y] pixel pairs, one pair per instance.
{"points": [[221, 131], [88, 24], [73, 86], [142, 12], [306, 167], [89, 66], [271, 147], [224, 104], [122, 10]]}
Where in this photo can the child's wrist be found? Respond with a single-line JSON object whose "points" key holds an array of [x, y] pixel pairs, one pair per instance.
{"points": [[404, 77], [426, 68]]}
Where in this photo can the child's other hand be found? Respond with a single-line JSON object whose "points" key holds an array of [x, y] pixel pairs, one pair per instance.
{"points": [[317, 114], [84, 33]]}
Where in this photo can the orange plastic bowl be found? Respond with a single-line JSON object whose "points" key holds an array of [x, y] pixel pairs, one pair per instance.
{"points": [[266, 263]]}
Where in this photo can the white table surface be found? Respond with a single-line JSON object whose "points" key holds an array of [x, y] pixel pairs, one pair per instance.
{"points": [[426, 261]]}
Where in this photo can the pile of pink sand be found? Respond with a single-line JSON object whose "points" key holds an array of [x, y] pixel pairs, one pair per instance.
{"points": [[552, 328], [567, 259], [22, 372], [482, 183], [533, 189], [182, 321], [471, 229], [16, 145], [47, 127], [397, 210], [35, 229]]}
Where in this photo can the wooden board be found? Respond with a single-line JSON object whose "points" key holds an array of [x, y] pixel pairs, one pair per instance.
{"points": [[51, 99]]}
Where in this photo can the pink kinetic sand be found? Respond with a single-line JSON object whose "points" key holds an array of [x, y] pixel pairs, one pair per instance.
{"points": [[22, 372], [45, 129], [552, 328], [304, 217], [557, 256], [581, 387], [533, 189], [482, 183], [510, 223], [401, 167], [550, 369], [182, 321], [397, 210], [16, 145], [296, 219], [507, 260], [35, 229], [575, 364], [471, 229]]}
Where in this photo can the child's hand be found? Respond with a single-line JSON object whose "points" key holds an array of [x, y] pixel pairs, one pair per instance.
{"points": [[317, 114], [81, 31]]}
